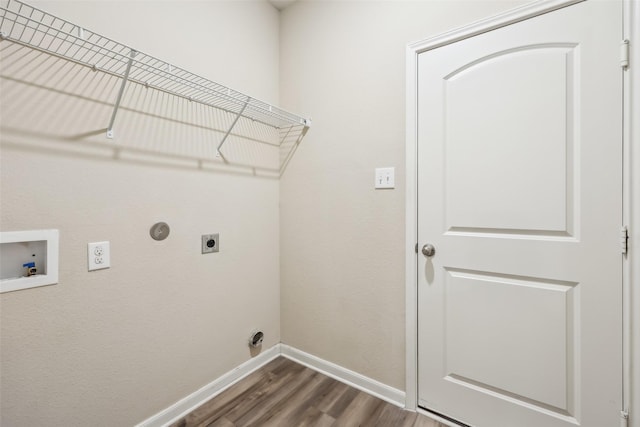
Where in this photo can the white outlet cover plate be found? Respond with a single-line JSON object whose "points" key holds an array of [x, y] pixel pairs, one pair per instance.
{"points": [[98, 255], [385, 178]]}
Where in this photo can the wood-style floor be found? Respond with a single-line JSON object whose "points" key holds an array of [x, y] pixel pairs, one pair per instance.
{"points": [[286, 394]]}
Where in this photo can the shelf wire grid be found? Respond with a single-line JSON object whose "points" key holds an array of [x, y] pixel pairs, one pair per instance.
{"points": [[26, 25]]}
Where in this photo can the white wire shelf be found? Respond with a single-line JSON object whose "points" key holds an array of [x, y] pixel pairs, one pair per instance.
{"points": [[28, 26]]}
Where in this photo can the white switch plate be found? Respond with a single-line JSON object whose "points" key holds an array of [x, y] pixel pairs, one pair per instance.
{"points": [[98, 255], [385, 177]]}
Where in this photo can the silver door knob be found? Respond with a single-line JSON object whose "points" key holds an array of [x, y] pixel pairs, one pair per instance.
{"points": [[428, 250]]}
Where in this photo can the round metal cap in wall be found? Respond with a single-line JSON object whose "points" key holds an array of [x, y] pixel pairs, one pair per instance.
{"points": [[159, 231]]}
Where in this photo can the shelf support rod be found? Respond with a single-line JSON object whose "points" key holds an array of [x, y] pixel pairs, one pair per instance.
{"points": [[125, 78], [286, 135], [226, 135]]}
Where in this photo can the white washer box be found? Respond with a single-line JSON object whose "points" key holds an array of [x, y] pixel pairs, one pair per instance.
{"points": [[18, 248]]}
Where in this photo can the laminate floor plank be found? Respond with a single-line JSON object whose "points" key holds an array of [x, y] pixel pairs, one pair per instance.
{"points": [[244, 403], [392, 416], [343, 401], [329, 400], [363, 410], [284, 393], [222, 422], [290, 399], [423, 421], [270, 397], [291, 411], [313, 417], [253, 381]]}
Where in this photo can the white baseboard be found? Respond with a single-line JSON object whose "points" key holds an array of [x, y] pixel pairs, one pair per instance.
{"points": [[354, 379], [191, 402]]}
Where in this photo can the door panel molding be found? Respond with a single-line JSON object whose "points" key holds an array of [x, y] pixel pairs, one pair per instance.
{"points": [[518, 14], [631, 186], [411, 231], [493, 152]]}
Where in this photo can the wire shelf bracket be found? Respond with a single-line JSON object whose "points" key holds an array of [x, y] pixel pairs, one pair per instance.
{"points": [[125, 78], [28, 26], [226, 135]]}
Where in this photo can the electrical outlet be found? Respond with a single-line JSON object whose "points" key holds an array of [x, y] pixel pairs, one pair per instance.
{"points": [[210, 243], [98, 255]]}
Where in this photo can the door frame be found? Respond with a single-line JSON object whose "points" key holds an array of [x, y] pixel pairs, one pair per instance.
{"points": [[631, 186]]}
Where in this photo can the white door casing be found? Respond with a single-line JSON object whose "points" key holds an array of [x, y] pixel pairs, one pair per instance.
{"points": [[519, 136]]}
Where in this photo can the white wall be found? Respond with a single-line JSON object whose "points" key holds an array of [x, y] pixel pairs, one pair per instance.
{"points": [[342, 242], [113, 347]]}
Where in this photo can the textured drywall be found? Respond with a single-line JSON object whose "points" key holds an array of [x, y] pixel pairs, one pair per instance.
{"points": [[113, 347], [342, 242]]}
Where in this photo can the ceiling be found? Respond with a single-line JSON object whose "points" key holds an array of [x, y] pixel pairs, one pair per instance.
{"points": [[281, 4]]}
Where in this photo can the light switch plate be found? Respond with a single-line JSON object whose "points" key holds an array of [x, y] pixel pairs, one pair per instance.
{"points": [[99, 255], [385, 178]]}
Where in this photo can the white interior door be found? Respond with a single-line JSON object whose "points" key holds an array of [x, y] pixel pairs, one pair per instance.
{"points": [[520, 193]]}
